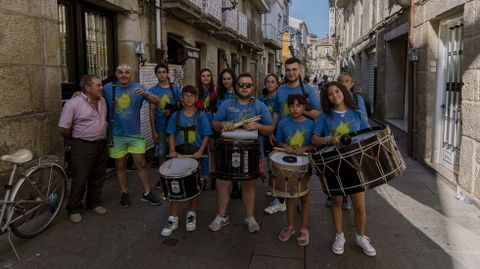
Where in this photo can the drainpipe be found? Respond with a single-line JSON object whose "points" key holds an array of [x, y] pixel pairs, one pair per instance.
{"points": [[159, 51], [412, 79]]}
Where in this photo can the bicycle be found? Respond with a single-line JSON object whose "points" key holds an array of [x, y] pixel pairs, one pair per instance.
{"points": [[31, 204]]}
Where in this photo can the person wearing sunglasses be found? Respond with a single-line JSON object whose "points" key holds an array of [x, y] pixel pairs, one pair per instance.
{"points": [[244, 106]]}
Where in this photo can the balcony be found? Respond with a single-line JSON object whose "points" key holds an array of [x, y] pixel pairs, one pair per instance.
{"points": [[271, 37], [212, 10], [229, 23], [242, 25], [187, 10], [260, 5], [255, 35]]}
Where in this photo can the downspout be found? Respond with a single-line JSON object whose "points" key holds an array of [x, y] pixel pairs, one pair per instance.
{"points": [[413, 58], [159, 52]]}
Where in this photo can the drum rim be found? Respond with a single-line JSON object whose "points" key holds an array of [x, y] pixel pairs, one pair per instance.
{"points": [[270, 157], [187, 173]]}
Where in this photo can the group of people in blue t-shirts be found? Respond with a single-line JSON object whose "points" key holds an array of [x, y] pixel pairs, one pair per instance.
{"points": [[188, 120]]}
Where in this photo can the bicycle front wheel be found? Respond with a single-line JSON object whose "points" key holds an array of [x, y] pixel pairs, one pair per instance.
{"points": [[38, 199]]}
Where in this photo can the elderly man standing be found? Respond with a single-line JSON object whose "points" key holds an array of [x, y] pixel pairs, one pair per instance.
{"points": [[127, 136], [83, 120]]}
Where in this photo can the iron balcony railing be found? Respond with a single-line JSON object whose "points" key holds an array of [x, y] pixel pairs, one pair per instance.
{"points": [[242, 25], [213, 8]]}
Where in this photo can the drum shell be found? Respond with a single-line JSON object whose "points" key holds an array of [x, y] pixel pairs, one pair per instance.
{"points": [[361, 166], [237, 159], [288, 181], [182, 188]]}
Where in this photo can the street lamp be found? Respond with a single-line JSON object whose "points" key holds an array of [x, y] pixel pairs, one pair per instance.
{"points": [[233, 4]]}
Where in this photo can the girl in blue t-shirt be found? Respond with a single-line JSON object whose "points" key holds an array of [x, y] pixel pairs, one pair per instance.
{"points": [[294, 134], [340, 117], [272, 82], [189, 132]]}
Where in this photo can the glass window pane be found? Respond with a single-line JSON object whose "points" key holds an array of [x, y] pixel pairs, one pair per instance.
{"points": [[96, 41], [62, 25]]}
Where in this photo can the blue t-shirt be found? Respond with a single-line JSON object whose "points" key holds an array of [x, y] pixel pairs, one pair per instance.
{"points": [[269, 102], [166, 97], [127, 108], [199, 119], [281, 106], [295, 134], [234, 111], [340, 123], [226, 97], [360, 103]]}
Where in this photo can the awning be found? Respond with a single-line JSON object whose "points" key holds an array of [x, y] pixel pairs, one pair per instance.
{"points": [[184, 50]]}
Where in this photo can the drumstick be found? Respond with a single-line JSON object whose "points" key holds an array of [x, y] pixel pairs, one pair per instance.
{"points": [[190, 156], [282, 149], [240, 123]]}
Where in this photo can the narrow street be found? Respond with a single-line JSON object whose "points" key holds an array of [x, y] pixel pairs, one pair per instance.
{"points": [[413, 222]]}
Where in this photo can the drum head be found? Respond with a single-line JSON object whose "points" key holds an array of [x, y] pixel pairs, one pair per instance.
{"points": [[178, 167], [284, 158], [364, 136]]}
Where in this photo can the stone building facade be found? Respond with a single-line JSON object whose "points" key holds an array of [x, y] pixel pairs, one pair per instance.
{"points": [[372, 42]]}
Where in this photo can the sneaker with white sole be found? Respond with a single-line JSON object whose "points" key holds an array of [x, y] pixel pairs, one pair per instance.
{"points": [[338, 246], [364, 243], [219, 222], [191, 221], [171, 226], [275, 207], [252, 224]]}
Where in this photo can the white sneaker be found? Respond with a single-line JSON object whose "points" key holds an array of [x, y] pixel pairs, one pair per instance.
{"points": [[275, 207], [364, 243], [219, 222], [191, 223], [171, 226], [339, 244], [252, 224]]}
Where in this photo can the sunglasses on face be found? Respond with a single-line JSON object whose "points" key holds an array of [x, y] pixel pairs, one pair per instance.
{"points": [[245, 85]]}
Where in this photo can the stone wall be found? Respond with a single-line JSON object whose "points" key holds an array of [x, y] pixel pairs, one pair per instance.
{"points": [[427, 20], [30, 99]]}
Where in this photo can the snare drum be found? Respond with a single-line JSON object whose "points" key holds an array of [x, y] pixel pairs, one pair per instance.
{"points": [[180, 179], [289, 175], [372, 159], [237, 159]]}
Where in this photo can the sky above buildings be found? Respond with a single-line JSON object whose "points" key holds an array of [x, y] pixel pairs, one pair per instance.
{"points": [[314, 13]]}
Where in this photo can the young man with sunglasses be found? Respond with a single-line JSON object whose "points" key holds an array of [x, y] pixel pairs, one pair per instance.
{"points": [[242, 107]]}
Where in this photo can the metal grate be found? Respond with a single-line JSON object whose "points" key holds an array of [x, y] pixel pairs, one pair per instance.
{"points": [[451, 107], [96, 40], [62, 25]]}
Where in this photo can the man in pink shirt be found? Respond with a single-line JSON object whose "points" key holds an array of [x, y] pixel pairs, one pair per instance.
{"points": [[84, 121]]}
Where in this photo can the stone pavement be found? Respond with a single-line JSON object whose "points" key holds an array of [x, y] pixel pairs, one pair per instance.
{"points": [[414, 222]]}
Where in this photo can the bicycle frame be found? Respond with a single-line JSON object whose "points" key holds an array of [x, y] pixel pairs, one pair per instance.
{"points": [[7, 202]]}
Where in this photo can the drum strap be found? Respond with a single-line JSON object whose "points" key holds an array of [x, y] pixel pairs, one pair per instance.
{"points": [[187, 128]]}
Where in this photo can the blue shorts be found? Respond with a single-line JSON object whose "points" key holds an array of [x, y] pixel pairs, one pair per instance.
{"points": [[161, 148]]}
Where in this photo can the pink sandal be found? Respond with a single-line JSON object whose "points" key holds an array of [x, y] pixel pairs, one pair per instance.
{"points": [[286, 233], [303, 239]]}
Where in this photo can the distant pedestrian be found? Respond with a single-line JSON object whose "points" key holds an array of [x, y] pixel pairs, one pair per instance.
{"points": [[322, 83], [84, 122]]}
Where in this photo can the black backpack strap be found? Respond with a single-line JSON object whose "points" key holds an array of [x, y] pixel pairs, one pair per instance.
{"points": [[174, 94], [177, 121]]}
